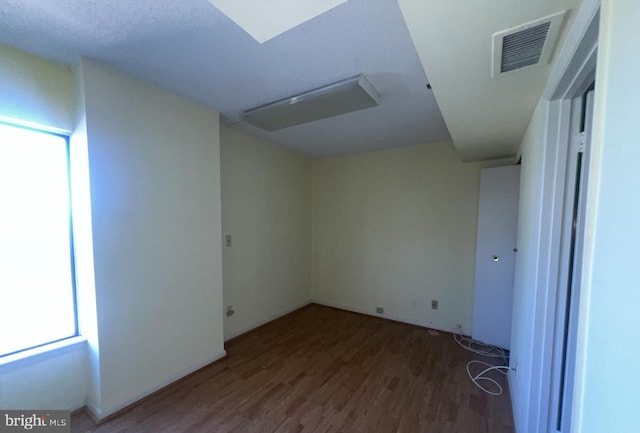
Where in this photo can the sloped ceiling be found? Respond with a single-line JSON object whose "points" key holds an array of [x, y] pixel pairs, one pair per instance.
{"points": [[486, 117]]}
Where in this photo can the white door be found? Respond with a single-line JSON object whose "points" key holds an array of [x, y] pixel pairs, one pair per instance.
{"points": [[495, 255]]}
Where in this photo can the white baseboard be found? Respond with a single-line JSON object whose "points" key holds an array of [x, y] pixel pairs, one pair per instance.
{"points": [[102, 414], [423, 324], [267, 319]]}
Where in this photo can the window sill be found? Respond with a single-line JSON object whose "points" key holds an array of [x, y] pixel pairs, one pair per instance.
{"points": [[37, 354]]}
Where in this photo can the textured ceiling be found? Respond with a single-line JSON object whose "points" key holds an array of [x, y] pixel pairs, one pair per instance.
{"points": [[190, 48]]}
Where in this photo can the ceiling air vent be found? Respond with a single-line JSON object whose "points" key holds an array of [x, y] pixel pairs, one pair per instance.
{"points": [[525, 45]]}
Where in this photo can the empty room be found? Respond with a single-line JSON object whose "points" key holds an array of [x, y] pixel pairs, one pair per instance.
{"points": [[319, 216]]}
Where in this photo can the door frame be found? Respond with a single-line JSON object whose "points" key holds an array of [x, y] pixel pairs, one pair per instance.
{"points": [[575, 70]]}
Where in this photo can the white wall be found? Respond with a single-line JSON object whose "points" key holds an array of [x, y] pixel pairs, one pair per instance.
{"points": [[34, 91], [397, 226], [606, 381], [83, 237], [525, 337], [608, 358], [39, 93], [155, 203], [55, 380], [266, 208], [154, 170]]}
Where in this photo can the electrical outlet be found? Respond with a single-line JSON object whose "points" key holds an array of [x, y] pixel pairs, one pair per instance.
{"points": [[379, 310], [434, 304], [227, 240], [414, 302]]}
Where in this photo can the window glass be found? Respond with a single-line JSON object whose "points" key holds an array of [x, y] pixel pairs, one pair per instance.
{"points": [[37, 301]]}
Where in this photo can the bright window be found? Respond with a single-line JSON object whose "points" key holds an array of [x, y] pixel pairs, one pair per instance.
{"points": [[37, 293]]}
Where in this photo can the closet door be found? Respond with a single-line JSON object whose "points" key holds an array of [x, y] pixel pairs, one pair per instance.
{"points": [[495, 254]]}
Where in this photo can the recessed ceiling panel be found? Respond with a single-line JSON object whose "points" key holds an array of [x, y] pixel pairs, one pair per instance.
{"points": [[264, 20]]}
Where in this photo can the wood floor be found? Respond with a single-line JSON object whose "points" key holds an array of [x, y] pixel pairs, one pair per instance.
{"points": [[324, 370]]}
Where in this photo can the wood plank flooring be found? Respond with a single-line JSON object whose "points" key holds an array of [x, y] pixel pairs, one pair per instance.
{"points": [[324, 370]]}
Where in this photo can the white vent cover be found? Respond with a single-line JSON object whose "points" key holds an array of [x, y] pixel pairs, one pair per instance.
{"points": [[525, 45]]}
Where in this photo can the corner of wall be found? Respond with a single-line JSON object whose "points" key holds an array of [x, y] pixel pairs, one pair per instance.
{"points": [[83, 236], [266, 209]]}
